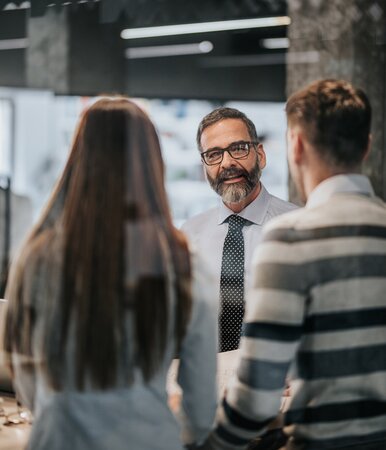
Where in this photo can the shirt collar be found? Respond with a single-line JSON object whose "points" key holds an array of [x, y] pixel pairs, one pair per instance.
{"points": [[254, 212], [340, 184]]}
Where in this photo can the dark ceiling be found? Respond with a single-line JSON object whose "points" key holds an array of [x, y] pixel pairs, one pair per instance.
{"points": [[142, 13], [238, 67]]}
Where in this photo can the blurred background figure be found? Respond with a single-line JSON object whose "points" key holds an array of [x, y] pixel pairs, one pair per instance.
{"points": [[104, 295]]}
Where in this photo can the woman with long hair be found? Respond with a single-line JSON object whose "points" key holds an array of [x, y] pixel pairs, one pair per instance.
{"points": [[104, 294]]}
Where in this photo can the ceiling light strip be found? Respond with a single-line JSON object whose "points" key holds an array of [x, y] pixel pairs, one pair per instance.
{"points": [[204, 27], [169, 50], [13, 44], [274, 43]]}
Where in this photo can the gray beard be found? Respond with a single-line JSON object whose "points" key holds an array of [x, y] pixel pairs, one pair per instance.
{"points": [[235, 192]]}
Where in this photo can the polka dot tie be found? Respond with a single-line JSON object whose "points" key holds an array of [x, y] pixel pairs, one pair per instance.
{"points": [[232, 285]]}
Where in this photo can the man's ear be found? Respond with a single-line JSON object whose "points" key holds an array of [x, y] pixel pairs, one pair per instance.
{"points": [[261, 156], [298, 146]]}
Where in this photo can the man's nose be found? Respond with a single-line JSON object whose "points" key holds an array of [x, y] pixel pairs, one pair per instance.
{"points": [[227, 160]]}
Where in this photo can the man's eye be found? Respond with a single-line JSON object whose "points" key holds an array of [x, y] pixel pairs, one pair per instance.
{"points": [[213, 155], [240, 147]]}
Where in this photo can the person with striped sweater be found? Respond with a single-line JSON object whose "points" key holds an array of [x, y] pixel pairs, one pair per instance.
{"points": [[316, 312]]}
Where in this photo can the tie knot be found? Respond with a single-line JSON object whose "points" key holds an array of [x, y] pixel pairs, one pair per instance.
{"points": [[236, 222]]}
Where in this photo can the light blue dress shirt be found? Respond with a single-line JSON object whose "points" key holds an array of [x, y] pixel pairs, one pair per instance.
{"points": [[207, 231]]}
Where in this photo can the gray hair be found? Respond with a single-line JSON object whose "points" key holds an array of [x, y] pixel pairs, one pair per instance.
{"points": [[222, 113]]}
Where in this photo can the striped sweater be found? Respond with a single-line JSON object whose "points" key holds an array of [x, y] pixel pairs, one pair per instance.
{"points": [[316, 314]]}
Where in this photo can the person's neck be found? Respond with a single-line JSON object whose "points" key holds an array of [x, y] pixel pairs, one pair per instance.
{"points": [[239, 206], [321, 174]]}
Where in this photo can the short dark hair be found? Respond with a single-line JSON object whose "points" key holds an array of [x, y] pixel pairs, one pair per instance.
{"points": [[336, 119], [223, 113]]}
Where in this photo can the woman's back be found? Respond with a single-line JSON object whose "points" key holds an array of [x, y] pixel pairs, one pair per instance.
{"points": [[102, 299], [133, 411]]}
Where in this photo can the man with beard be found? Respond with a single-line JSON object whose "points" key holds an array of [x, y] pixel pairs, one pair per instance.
{"points": [[233, 159]]}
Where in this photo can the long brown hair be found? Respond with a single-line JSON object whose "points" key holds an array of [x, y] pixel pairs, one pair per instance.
{"points": [[108, 224]]}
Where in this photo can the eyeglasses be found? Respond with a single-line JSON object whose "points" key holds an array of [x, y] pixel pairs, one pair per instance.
{"points": [[238, 150]]}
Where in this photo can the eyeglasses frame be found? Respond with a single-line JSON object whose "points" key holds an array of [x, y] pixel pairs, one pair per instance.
{"points": [[227, 149]]}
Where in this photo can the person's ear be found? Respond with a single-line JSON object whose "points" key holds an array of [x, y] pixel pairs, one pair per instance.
{"points": [[261, 156], [299, 148]]}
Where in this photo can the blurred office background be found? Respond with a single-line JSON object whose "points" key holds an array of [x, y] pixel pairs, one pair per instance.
{"points": [[37, 128]]}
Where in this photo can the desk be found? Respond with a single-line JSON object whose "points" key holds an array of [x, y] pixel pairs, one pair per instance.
{"points": [[15, 436]]}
